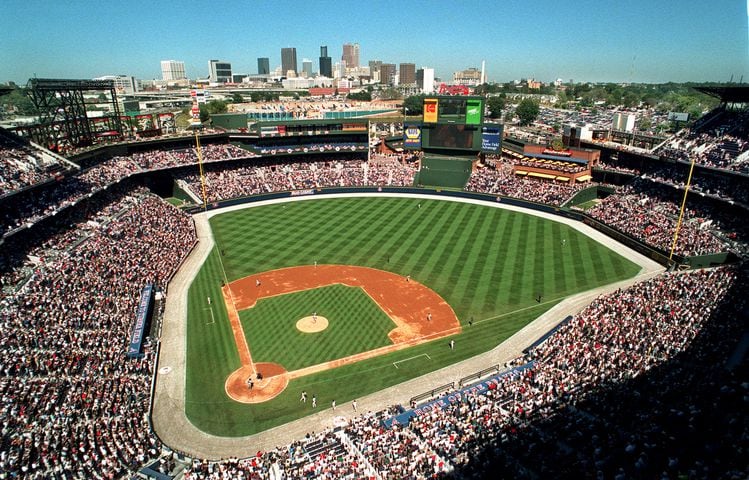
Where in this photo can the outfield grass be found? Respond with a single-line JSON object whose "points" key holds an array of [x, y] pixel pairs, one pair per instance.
{"points": [[355, 324], [490, 264]]}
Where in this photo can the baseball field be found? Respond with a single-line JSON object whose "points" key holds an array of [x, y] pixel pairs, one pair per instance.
{"points": [[344, 297]]}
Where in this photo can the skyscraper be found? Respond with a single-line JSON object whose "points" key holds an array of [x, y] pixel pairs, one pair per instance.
{"points": [[219, 72], [263, 66], [326, 63], [351, 55], [387, 73], [307, 68], [374, 69], [425, 79], [288, 61], [172, 70], [407, 74]]}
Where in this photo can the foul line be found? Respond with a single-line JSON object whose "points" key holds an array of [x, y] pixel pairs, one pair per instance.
{"points": [[395, 364], [519, 310]]}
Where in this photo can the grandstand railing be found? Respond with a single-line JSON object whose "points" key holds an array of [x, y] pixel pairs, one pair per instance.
{"points": [[435, 392], [478, 375]]}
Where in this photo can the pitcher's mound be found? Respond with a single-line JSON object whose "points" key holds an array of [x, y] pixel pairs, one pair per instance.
{"points": [[274, 381], [312, 324]]}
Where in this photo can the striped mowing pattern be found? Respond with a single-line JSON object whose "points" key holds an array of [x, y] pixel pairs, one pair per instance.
{"points": [[490, 264], [356, 324]]}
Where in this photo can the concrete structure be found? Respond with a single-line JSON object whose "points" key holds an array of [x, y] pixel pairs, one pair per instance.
{"points": [[350, 55], [263, 66], [297, 83], [374, 70], [172, 70], [624, 122], [326, 63], [219, 72], [425, 79], [471, 77], [407, 74], [288, 61], [387, 74], [307, 68], [573, 134], [123, 83]]}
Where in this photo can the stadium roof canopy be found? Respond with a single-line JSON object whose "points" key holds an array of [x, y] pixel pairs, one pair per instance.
{"points": [[5, 89], [737, 94]]}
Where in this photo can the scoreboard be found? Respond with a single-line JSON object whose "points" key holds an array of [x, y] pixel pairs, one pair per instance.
{"points": [[453, 123]]}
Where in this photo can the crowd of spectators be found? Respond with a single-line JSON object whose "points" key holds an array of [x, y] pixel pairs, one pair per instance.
{"points": [[726, 187], [29, 207], [267, 175], [661, 344], [312, 147], [499, 179], [649, 212], [557, 166], [22, 165], [72, 405], [721, 142]]}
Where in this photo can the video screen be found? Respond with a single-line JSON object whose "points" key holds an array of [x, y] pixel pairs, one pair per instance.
{"points": [[451, 136]]}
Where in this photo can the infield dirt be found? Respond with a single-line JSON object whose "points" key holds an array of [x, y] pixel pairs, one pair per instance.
{"points": [[419, 313]]}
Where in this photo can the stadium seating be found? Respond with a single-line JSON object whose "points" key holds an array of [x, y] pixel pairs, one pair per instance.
{"points": [[74, 407]]}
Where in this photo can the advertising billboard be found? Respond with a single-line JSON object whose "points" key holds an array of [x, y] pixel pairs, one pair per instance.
{"points": [[431, 105], [474, 110], [412, 137], [491, 139]]}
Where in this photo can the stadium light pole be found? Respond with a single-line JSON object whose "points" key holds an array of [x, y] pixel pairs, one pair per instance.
{"points": [[681, 211]]}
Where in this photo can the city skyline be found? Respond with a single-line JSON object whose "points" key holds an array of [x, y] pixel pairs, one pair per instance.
{"points": [[639, 41]]}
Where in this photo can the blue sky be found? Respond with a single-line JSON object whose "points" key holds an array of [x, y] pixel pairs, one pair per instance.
{"points": [[584, 40]]}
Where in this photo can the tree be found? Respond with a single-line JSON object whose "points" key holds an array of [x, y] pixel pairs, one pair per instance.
{"points": [[496, 105], [390, 93], [414, 104], [237, 98], [527, 111], [363, 96], [216, 106], [19, 102], [645, 124]]}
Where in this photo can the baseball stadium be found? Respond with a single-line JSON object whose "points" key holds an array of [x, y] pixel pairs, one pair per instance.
{"points": [[371, 297]]}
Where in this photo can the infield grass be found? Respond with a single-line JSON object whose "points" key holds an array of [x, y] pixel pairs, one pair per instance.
{"points": [[355, 324], [489, 264]]}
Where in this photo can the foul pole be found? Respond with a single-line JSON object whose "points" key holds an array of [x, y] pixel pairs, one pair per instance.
{"points": [[681, 211], [200, 167]]}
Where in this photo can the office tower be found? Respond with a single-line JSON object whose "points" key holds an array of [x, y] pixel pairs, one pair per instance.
{"points": [[351, 55], [263, 66], [123, 83], [288, 61], [407, 73], [374, 69], [219, 72], [172, 70], [425, 79], [326, 63], [387, 73], [307, 68]]}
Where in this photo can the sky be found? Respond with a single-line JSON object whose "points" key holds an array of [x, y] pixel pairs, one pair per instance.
{"points": [[650, 41]]}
